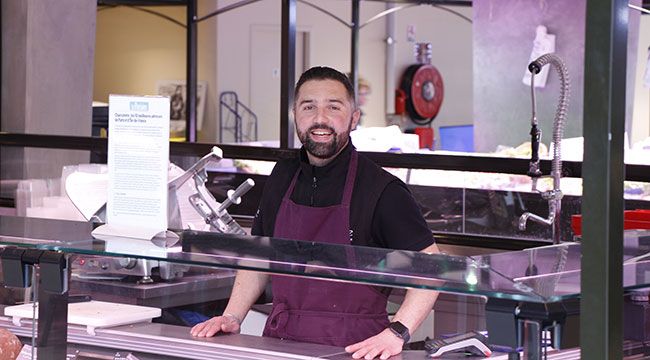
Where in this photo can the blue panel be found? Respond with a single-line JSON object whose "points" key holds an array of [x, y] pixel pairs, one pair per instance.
{"points": [[457, 138]]}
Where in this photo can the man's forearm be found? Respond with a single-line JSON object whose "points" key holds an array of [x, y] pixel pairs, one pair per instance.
{"points": [[415, 308], [417, 302], [248, 287]]}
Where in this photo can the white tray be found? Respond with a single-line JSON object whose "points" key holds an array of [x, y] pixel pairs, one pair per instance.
{"points": [[92, 314]]}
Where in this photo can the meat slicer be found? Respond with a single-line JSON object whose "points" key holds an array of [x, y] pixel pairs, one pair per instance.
{"points": [[190, 206]]}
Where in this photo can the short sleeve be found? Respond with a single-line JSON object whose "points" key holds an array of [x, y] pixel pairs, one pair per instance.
{"points": [[398, 222]]}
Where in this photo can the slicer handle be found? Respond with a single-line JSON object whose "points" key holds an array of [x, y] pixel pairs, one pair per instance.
{"points": [[234, 197]]}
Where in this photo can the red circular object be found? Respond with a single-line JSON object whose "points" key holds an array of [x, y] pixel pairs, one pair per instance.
{"points": [[427, 91]]}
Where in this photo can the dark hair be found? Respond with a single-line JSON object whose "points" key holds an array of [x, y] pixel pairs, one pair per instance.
{"points": [[325, 73]]}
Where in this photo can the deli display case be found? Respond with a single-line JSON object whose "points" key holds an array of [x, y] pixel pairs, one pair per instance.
{"points": [[531, 295]]}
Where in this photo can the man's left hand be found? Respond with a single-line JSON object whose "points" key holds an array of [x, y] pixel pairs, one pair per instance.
{"points": [[385, 344]]}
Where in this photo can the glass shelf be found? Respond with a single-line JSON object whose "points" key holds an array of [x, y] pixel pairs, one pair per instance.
{"points": [[542, 275]]}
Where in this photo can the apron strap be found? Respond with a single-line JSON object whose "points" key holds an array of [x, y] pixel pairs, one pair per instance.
{"points": [[292, 185], [350, 179]]}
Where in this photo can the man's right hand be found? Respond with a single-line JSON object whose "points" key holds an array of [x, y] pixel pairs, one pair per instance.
{"points": [[226, 324]]}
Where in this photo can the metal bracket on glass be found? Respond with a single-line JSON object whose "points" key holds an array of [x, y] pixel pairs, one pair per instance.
{"points": [[53, 270], [515, 324]]}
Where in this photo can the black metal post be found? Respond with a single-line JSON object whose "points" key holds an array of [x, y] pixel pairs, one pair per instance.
{"points": [[354, 49], [52, 291], [52, 340], [238, 123], [601, 330], [288, 72], [190, 102], [1, 47]]}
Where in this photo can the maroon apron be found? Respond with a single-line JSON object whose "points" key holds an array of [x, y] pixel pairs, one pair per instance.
{"points": [[321, 311]]}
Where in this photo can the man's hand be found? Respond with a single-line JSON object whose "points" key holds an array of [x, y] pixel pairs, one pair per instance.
{"points": [[385, 344], [226, 324]]}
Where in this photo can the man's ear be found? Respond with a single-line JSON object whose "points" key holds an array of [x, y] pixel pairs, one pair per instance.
{"points": [[356, 116]]}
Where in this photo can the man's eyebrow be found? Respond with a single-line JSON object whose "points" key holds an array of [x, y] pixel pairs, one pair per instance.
{"points": [[305, 101], [311, 101]]}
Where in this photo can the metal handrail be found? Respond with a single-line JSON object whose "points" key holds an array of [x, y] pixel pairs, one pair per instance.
{"points": [[229, 101]]}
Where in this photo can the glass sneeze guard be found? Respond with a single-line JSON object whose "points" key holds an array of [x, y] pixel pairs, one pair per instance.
{"points": [[541, 275]]}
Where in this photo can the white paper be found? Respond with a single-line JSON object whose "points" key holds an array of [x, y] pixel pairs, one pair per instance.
{"points": [[544, 43], [646, 77], [87, 191], [138, 153]]}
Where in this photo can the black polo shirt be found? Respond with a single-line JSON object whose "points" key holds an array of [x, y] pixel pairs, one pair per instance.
{"points": [[383, 212]]}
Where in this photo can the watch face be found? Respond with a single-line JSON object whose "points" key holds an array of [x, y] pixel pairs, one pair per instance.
{"points": [[400, 330]]}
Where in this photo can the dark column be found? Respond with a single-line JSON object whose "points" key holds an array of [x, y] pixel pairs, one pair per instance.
{"points": [[354, 48], [288, 72], [601, 328], [190, 104]]}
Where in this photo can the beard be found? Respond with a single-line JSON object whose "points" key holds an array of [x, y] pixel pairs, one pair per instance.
{"points": [[323, 150]]}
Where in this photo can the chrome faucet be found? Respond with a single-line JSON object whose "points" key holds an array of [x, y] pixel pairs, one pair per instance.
{"points": [[554, 196]]}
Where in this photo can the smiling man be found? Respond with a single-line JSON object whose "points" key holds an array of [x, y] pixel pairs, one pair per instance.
{"points": [[332, 194], [325, 115]]}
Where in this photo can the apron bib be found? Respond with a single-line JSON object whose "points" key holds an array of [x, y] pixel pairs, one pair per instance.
{"points": [[321, 311]]}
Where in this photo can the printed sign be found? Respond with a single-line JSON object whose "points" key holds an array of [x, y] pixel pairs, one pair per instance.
{"points": [[138, 160]]}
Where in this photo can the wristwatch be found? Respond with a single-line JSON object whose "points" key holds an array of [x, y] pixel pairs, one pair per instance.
{"points": [[400, 330]]}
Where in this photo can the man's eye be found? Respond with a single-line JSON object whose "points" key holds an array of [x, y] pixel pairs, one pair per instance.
{"points": [[308, 107], [335, 107]]}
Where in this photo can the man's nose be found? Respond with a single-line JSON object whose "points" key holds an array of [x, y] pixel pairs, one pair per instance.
{"points": [[321, 116]]}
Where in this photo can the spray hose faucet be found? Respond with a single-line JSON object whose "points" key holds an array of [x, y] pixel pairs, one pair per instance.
{"points": [[554, 197]]}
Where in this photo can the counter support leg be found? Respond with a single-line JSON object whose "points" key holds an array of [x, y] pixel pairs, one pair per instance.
{"points": [[52, 340], [532, 340]]}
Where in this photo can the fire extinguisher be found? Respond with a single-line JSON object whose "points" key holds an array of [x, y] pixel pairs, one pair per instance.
{"points": [[400, 102]]}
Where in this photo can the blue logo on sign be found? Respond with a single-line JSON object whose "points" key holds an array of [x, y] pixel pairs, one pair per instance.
{"points": [[139, 106]]}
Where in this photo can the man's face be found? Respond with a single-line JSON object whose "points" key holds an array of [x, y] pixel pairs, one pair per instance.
{"points": [[324, 116]]}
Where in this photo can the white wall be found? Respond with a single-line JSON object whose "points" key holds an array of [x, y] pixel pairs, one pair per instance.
{"points": [[330, 45], [135, 49], [641, 119]]}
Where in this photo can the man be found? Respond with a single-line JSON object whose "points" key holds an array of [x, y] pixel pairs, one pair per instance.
{"points": [[353, 201]]}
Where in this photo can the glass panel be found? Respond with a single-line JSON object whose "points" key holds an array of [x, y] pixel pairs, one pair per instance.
{"points": [[553, 272], [31, 183], [365, 265], [538, 275], [368, 265]]}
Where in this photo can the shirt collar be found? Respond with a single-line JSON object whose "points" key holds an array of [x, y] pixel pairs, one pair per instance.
{"points": [[339, 162]]}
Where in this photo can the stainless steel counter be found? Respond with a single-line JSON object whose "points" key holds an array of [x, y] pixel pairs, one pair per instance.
{"points": [[176, 342]]}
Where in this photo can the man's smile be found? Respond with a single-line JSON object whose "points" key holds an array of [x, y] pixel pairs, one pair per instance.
{"points": [[321, 134]]}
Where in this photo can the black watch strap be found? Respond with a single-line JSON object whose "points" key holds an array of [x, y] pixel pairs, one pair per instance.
{"points": [[400, 330]]}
